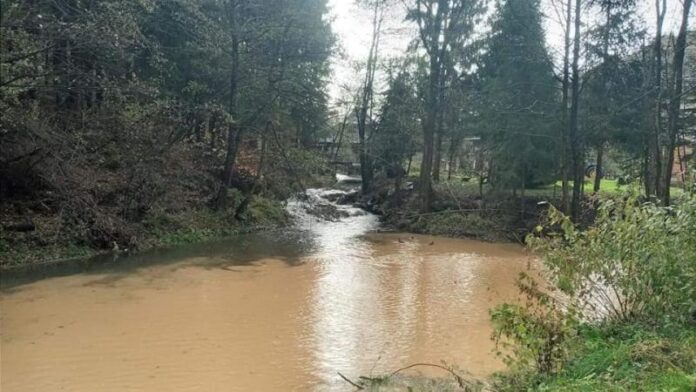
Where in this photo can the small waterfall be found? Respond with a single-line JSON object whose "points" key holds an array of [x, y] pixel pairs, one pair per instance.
{"points": [[324, 208]]}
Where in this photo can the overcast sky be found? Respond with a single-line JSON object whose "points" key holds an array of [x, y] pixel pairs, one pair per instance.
{"points": [[353, 27]]}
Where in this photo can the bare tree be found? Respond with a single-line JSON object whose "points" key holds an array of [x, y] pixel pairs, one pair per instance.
{"points": [[654, 155], [363, 112]]}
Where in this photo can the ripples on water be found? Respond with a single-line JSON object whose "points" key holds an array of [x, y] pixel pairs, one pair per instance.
{"points": [[272, 311]]}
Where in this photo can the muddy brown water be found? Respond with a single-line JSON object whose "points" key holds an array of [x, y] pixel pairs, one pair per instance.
{"points": [[262, 312]]}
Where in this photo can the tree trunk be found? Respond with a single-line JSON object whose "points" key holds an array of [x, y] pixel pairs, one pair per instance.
{"points": [[234, 134], [366, 100], [439, 131], [599, 167], [575, 147], [425, 186], [429, 128], [454, 146], [675, 101], [365, 163], [437, 158], [337, 149], [683, 165], [481, 179], [565, 206], [655, 153]]}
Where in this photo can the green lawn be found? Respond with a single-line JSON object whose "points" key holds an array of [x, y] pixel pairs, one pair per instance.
{"points": [[613, 187], [471, 188]]}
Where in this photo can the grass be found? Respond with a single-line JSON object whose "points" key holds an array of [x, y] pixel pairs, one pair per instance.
{"points": [[608, 187], [628, 357], [193, 226], [621, 358], [613, 187]]}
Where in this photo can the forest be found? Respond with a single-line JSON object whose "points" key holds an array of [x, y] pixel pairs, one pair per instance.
{"points": [[565, 125], [120, 116]]}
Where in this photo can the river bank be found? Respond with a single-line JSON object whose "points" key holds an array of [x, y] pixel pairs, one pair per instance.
{"points": [[456, 214], [624, 357], [52, 240], [458, 211]]}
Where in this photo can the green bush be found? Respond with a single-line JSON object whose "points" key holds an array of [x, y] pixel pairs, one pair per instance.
{"points": [[534, 334], [264, 211], [638, 261], [620, 309]]}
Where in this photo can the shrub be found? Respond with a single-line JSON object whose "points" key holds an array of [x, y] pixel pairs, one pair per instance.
{"points": [[264, 211], [536, 332], [636, 264], [638, 261]]}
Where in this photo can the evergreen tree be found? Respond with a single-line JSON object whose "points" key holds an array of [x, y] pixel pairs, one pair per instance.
{"points": [[518, 98], [397, 137], [609, 43]]}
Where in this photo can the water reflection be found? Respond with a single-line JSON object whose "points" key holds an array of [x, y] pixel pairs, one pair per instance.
{"points": [[395, 302], [289, 245]]}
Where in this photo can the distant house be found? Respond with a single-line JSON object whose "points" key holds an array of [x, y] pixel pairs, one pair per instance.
{"points": [[684, 155]]}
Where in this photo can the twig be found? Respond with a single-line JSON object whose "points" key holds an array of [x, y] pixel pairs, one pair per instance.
{"points": [[350, 382], [460, 379]]}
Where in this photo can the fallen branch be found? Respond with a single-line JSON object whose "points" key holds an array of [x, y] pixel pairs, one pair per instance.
{"points": [[350, 382], [460, 380]]}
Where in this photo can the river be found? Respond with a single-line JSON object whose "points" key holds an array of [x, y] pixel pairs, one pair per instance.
{"points": [[275, 311]]}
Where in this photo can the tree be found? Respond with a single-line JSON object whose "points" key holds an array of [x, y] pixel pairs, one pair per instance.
{"points": [[278, 58], [676, 90], [565, 139], [519, 100], [442, 26], [608, 43], [113, 109], [365, 101], [576, 149], [396, 142], [653, 161]]}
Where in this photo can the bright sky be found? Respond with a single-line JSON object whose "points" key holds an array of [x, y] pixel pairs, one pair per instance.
{"points": [[353, 26]]}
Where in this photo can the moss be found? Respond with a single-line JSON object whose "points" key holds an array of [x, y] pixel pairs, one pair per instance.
{"points": [[193, 226], [263, 211]]}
